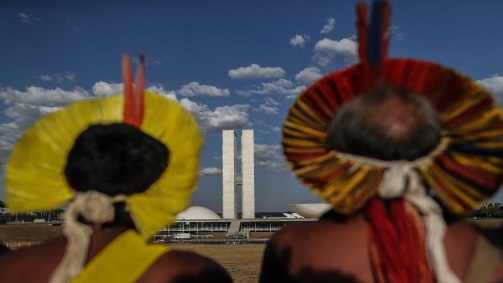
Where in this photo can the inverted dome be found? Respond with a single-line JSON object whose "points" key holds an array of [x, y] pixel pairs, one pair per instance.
{"points": [[198, 213]]}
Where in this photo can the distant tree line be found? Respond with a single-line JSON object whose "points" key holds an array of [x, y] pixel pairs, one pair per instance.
{"points": [[489, 210], [2, 207]]}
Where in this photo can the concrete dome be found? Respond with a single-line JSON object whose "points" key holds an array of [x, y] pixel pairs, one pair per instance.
{"points": [[310, 210], [197, 213]]}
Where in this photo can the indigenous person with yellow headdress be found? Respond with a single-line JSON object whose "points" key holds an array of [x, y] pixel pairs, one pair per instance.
{"points": [[126, 165], [402, 149]]}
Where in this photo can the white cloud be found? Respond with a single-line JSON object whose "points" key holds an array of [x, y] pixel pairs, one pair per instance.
{"points": [[269, 156], [209, 171], [24, 18], [308, 75], [328, 27], [159, 89], [264, 127], [269, 110], [270, 101], [326, 50], [299, 40], [101, 89], [25, 107], [494, 85], [254, 71], [223, 117], [47, 78], [192, 106], [228, 117], [40, 96], [58, 77], [281, 86], [196, 89], [269, 106]]}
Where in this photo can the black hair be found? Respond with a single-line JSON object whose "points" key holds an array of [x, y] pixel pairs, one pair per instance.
{"points": [[115, 159], [387, 124]]}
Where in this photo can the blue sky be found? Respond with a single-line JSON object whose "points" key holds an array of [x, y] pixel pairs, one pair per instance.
{"points": [[234, 64]]}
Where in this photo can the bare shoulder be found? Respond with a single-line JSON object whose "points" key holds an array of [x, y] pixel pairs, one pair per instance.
{"points": [[184, 266], [41, 260], [322, 251], [317, 233], [291, 233]]}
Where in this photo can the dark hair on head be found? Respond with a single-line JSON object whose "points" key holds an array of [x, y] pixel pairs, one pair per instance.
{"points": [[386, 123], [115, 159]]}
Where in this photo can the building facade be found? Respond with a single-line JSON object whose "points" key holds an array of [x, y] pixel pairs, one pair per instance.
{"points": [[234, 176]]}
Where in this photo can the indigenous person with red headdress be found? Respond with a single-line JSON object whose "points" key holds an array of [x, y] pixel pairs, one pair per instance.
{"points": [[401, 149], [126, 165]]}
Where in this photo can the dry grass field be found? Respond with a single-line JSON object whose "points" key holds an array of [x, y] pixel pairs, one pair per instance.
{"points": [[242, 261], [16, 236]]}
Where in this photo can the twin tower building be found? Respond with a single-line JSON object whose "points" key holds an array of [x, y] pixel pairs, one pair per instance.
{"points": [[235, 174]]}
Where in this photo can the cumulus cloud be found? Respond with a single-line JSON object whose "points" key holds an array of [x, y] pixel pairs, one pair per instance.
{"points": [[159, 89], [101, 89], [221, 118], [269, 106], [58, 77], [196, 89], [271, 101], [269, 156], [106, 89], [269, 110], [281, 86], [328, 27], [299, 40], [209, 171], [254, 71], [326, 50], [41, 96], [308, 75], [264, 127], [494, 85], [24, 107]]}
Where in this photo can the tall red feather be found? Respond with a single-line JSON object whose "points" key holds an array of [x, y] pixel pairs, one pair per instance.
{"points": [[133, 98]]}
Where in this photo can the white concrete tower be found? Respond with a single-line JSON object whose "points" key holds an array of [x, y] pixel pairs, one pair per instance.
{"points": [[229, 174], [248, 174]]}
